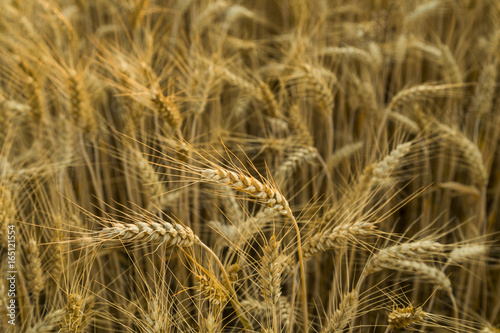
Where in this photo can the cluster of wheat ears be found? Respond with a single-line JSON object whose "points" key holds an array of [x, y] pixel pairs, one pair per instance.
{"points": [[250, 166]]}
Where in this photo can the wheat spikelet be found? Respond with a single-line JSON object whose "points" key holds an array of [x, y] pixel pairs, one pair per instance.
{"points": [[155, 231], [212, 289], [404, 317], [343, 314], [236, 12], [461, 188], [48, 323], [241, 83], [238, 45], [233, 271], [421, 92], [265, 194], [270, 272], [75, 316], [337, 238], [210, 324], [156, 320], [34, 273]]}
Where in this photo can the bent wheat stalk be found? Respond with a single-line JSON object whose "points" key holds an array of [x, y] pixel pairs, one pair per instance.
{"points": [[271, 197]]}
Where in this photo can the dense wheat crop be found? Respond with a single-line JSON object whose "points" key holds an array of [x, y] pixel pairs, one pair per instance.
{"points": [[249, 166]]}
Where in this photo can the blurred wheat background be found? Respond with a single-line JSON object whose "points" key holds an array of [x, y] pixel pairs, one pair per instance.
{"points": [[251, 166]]}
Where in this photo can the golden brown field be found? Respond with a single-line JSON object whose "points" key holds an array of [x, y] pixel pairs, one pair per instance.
{"points": [[249, 166]]}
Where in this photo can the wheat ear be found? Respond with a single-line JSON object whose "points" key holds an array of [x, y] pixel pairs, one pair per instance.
{"points": [[404, 317], [485, 90], [344, 313], [337, 238], [324, 94], [470, 151], [7, 214], [81, 112], [269, 196], [157, 231], [34, 273], [212, 289], [167, 109], [467, 252], [421, 92], [270, 272], [48, 323], [377, 172], [156, 319], [75, 317]]}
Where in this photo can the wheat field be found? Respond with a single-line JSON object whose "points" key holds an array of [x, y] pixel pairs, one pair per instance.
{"points": [[249, 166]]}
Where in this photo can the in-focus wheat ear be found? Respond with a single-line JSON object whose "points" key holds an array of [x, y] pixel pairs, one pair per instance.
{"points": [[264, 194], [403, 317], [271, 197], [155, 231], [271, 271]]}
